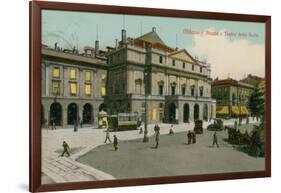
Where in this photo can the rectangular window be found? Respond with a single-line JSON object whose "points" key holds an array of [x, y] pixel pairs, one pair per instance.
{"points": [[173, 90], [174, 62], [73, 75], [138, 86], [192, 67], [201, 69], [103, 77], [161, 90], [56, 72], [201, 92], [160, 59], [73, 88], [102, 91], [55, 87], [88, 76], [88, 89], [183, 91], [192, 91], [183, 65]]}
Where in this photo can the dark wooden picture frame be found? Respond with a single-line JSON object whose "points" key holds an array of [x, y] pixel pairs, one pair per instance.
{"points": [[35, 94]]}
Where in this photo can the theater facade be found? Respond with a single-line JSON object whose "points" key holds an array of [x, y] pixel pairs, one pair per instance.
{"points": [[176, 85]]}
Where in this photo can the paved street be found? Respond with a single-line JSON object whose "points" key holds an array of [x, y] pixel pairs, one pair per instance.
{"points": [[173, 157], [57, 169]]}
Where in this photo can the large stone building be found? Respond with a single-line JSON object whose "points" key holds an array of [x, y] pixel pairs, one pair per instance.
{"points": [[178, 86], [73, 85], [232, 97]]}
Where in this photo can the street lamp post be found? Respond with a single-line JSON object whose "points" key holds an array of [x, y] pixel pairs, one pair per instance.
{"points": [[145, 137]]}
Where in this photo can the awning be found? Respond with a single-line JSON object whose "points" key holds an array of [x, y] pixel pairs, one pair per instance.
{"points": [[235, 110], [239, 110], [244, 110], [223, 110]]}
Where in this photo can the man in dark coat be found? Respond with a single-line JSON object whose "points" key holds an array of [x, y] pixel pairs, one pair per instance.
{"points": [[215, 139], [115, 142], [65, 149], [156, 128], [171, 131], [75, 126], [54, 125], [193, 137], [189, 135], [157, 138]]}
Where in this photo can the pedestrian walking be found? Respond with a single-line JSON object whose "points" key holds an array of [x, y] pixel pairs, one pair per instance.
{"points": [[189, 137], [215, 139], [54, 125], [115, 142], [193, 137], [65, 149], [141, 130], [156, 127], [171, 131], [157, 138], [75, 126], [107, 136]]}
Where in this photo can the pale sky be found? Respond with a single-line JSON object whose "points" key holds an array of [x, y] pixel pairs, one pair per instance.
{"points": [[230, 56]]}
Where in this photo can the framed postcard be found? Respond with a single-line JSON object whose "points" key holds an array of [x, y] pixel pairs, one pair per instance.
{"points": [[123, 96]]}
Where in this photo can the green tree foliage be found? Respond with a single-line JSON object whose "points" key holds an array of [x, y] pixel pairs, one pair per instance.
{"points": [[256, 102], [256, 106]]}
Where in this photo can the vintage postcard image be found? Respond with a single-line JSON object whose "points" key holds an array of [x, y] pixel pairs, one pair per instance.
{"points": [[128, 96]]}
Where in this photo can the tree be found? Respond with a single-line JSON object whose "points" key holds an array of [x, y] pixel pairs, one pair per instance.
{"points": [[256, 105], [256, 102]]}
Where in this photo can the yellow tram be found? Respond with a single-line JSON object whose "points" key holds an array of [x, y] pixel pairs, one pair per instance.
{"points": [[123, 121]]}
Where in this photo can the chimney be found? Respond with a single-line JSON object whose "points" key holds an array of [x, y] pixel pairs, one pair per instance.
{"points": [[88, 51], [96, 47], [123, 38], [154, 29]]}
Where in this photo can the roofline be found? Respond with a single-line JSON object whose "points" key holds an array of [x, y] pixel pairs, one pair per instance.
{"points": [[47, 52], [231, 82]]}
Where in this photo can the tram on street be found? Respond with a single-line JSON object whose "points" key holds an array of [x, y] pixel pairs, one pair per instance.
{"points": [[123, 121]]}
